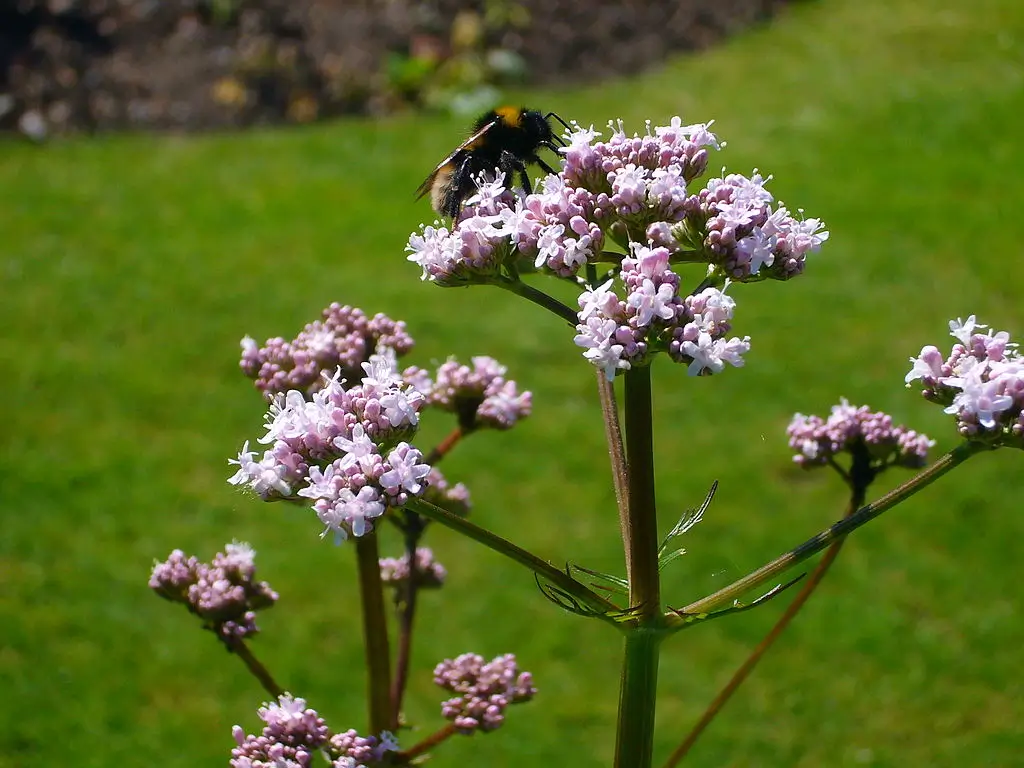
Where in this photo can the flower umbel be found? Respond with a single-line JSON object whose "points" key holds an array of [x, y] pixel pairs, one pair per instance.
{"points": [[980, 382], [484, 690], [294, 734], [631, 193], [818, 441], [223, 593], [620, 333], [430, 574], [480, 396], [345, 338], [344, 449]]}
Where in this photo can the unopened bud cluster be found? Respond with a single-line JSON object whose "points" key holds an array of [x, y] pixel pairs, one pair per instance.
{"points": [[223, 593], [818, 441], [484, 690], [980, 382], [345, 338], [480, 396], [293, 736], [633, 193], [430, 574]]}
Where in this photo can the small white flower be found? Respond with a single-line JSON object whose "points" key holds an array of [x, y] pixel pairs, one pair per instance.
{"points": [[927, 365], [601, 301], [962, 330], [596, 337], [714, 354], [407, 473], [650, 302], [265, 477], [359, 451], [400, 407]]}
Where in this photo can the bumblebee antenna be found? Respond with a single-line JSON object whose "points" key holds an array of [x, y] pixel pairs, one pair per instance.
{"points": [[552, 114]]}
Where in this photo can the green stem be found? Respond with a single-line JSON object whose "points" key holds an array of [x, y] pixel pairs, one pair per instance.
{"points": [[542, 568], [837, 530], [641, 543], [634, 743], [539, 298], [238, 647], [375, 634]]}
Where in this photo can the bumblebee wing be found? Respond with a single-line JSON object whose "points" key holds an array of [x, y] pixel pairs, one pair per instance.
{"points": [[428, 182]]}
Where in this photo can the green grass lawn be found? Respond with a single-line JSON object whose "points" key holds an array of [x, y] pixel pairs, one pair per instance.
{"points": [[131, 266]]}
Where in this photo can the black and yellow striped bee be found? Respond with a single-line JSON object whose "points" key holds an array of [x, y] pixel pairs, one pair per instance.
{"points": [[506, 139]]}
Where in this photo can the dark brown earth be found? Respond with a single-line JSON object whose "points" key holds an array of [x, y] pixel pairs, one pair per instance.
{"points": [[100, 65]]}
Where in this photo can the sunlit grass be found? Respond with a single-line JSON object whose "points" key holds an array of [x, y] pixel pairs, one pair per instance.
{"points": [[132, 265]]}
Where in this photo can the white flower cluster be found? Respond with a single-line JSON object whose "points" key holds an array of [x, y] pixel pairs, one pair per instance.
{"points": [[342, 449], [980, 382]]}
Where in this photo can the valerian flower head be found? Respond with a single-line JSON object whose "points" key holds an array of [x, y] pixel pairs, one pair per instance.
{"points": [[360, 751], [344, 448], [345, 338], [294, 734], [224, 593], [629, 201], [484, 690], [475, 249], [651, 316], [980, 382], [639, 185], [818, 441], [480, 396], [430, 574]]}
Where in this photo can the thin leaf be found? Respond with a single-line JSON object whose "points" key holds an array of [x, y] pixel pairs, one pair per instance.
{"points": [[740, 607], [615, 581], [664, 558], [689, 519]]}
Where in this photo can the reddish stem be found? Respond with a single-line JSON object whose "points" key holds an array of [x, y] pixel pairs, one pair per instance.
{"points": [[445, 446], [413, 529], [428, 743]]}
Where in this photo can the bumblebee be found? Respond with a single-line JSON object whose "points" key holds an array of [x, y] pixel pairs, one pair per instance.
{"points": [[506, 139]]}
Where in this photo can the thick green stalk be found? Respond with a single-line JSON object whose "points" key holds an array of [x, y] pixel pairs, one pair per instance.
{"points": [[375, 635], [637, 695], [634, 742], [642, 541]]}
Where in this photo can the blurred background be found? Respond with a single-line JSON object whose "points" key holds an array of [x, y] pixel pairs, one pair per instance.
{"points": [[132, 261]]}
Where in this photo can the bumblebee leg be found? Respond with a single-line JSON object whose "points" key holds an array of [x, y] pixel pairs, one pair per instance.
{"points": [[527, 190], [511, 165], [458, 188], [544, 166]]}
